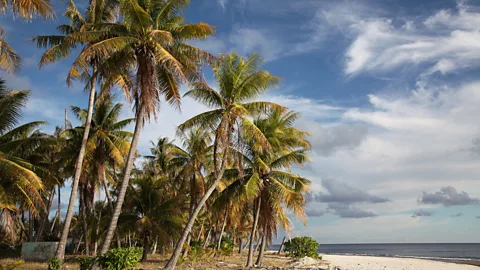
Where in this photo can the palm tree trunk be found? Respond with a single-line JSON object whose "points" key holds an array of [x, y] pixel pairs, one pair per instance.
{"points": [[205, 243], [223, 228], [54, 222], [83, 215], [97, 231], [178, 248], [109, 198], [154, 250], [30, 226], [78, 244], [45, 217], [185, 250], [240, 246], [59, 208], [145, 247], [200, 233], [281, 246], [252, 234], [126, 178], [78, 171], [262, 249]]}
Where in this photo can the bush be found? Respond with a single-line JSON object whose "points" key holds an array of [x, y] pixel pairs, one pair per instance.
{"points": [[300, 247], [226, 246], [85, 262], [120, 258], [54, 263]]}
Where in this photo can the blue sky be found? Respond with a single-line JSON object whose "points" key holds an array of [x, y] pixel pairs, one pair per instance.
{"points": [[389, 91]]}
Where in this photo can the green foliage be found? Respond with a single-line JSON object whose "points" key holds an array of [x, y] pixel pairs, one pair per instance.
{"points": [[226, 246], [195, 244], [120, 258], [85, 262], [300, 247], [54, 263], [197, 252], [11, 266]]}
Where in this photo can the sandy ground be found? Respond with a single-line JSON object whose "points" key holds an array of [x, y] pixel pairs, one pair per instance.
{"points": [[382, 263], [273, 261]]}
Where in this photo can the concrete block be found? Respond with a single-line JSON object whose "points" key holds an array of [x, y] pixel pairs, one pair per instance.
{"points": [[38, 251]]}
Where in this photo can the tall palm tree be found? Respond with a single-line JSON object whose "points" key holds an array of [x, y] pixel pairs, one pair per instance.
{"points": [[239, 82], [60, 47], [107, 145], [19, 182], [150, 45], [26, 9]]}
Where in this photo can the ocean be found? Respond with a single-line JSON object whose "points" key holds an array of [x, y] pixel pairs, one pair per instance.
{"points": [[454, 252]]}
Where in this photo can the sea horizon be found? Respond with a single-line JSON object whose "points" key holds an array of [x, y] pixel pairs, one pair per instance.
{"points": [[435, 251]]}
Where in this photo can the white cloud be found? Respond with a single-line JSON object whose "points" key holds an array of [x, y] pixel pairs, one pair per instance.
{"points": [[446, 41]]}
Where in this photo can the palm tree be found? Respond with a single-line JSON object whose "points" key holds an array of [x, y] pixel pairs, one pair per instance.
{"points": [[239, 82], [107, 145], [59, 47], [19, 182], [150, 44], [266, 177], [151, 210], [26, 9]]}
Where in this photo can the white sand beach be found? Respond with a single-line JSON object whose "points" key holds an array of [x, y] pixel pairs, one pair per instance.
{"points": [[382, 263]]}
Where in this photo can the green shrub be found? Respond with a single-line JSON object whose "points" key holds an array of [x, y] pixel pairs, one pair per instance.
{"points": [[54, 263], [300, 247], [85, 262], [226, 246], [120, 258]]}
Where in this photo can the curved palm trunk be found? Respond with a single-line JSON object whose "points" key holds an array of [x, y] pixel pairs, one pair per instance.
{"points": [[78, 171], [126, 178], [262, 249], [223, 228], [178, 247], [252, 235]]}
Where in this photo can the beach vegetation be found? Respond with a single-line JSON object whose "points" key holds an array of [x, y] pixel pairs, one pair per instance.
{"points": [[299, 247]]}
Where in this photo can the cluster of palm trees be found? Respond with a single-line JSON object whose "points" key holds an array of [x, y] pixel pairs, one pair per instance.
{"points": [[228, 176]]}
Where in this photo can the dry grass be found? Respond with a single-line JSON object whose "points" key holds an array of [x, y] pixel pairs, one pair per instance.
{"points": [[156, 261]]}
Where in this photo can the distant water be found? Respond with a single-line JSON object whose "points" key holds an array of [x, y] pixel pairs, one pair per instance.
{"points": [[425, 251]]}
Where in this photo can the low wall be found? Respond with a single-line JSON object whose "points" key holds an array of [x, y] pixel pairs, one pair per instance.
{"points": [[38, 251]]}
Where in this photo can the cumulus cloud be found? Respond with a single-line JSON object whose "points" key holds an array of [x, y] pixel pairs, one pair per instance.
{"points": [[341, 199], [327, 139], [348, 211], [342, 193], [422, 213], [447, 196]]}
